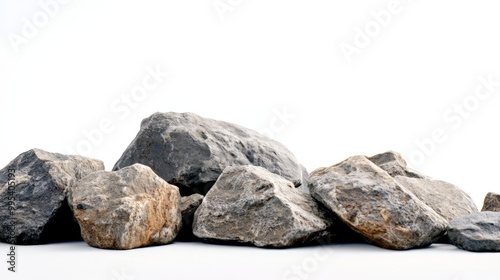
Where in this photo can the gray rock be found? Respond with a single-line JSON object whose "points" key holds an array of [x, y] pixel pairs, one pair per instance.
{"points": [[491, 202], [40, 211], [249, 204], [446, 199], [375, 205], [191, 152], [189, 204], [394, 164], [126, 209], [478, 232]]}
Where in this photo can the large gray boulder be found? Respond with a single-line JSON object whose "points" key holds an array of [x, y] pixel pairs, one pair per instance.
{"points": [[249, 204], [375, 205], [446, 199], [191, 152], [491, 202], [478, 232], [126, 209], [35, 192]]}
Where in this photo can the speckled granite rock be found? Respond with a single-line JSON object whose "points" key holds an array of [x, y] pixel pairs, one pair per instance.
{"points": [[491, 202]]}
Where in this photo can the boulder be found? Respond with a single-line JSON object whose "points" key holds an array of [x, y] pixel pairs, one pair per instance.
{"points": [[35, 184], [249, 204], [189, 204], [126, 209], [376, 205], [191, 152], [491, 202], [446, 199], [478, 232]]}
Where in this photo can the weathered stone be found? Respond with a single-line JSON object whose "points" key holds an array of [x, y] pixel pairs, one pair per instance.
{"points": [[394, 164], [189, 204], [478, 232], [126, 209], [491, 202], [375, 205], [191, 152], [446, 199], [249, 204], [37, 190]]}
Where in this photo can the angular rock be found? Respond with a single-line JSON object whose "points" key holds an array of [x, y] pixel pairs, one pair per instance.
{"points": [[491, 202], [189, 204], [374, 204], [191, 152], [249, 204], [446, 199], [38, 194], [394, 164], [126, 209], [478, 232]]}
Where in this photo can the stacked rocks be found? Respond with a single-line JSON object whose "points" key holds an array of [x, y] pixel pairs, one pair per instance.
{"points": [[185, 177]]}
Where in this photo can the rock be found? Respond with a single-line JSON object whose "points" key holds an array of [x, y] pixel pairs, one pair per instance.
{"points": [[191, 152], [189, 204], [394, 164], [126, 209], [249, 204], [478, 232], [374, 204], [492, 202], [446, 199], [38, 194]]}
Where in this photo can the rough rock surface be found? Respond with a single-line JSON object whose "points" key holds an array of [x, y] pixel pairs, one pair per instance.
{"points": [[126, 209], [394, 164], [478, 232], [191, 152], [375, 205], [249, 204], [189, 204], [446, 199], [40, 211], [491, 202]]}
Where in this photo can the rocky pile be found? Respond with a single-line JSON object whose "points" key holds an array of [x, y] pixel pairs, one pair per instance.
{"points": [[191, 152], [189, 178]]}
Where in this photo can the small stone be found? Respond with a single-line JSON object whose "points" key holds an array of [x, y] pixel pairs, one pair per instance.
{"points": [[37, 189], [375, 205], [189, 204], [478, 232], [191, 152], [394, 164], [492, 202], [249, 204], [126, 209]]}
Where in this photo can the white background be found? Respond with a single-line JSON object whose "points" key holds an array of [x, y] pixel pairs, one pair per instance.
{"points": [[69, 72]]}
